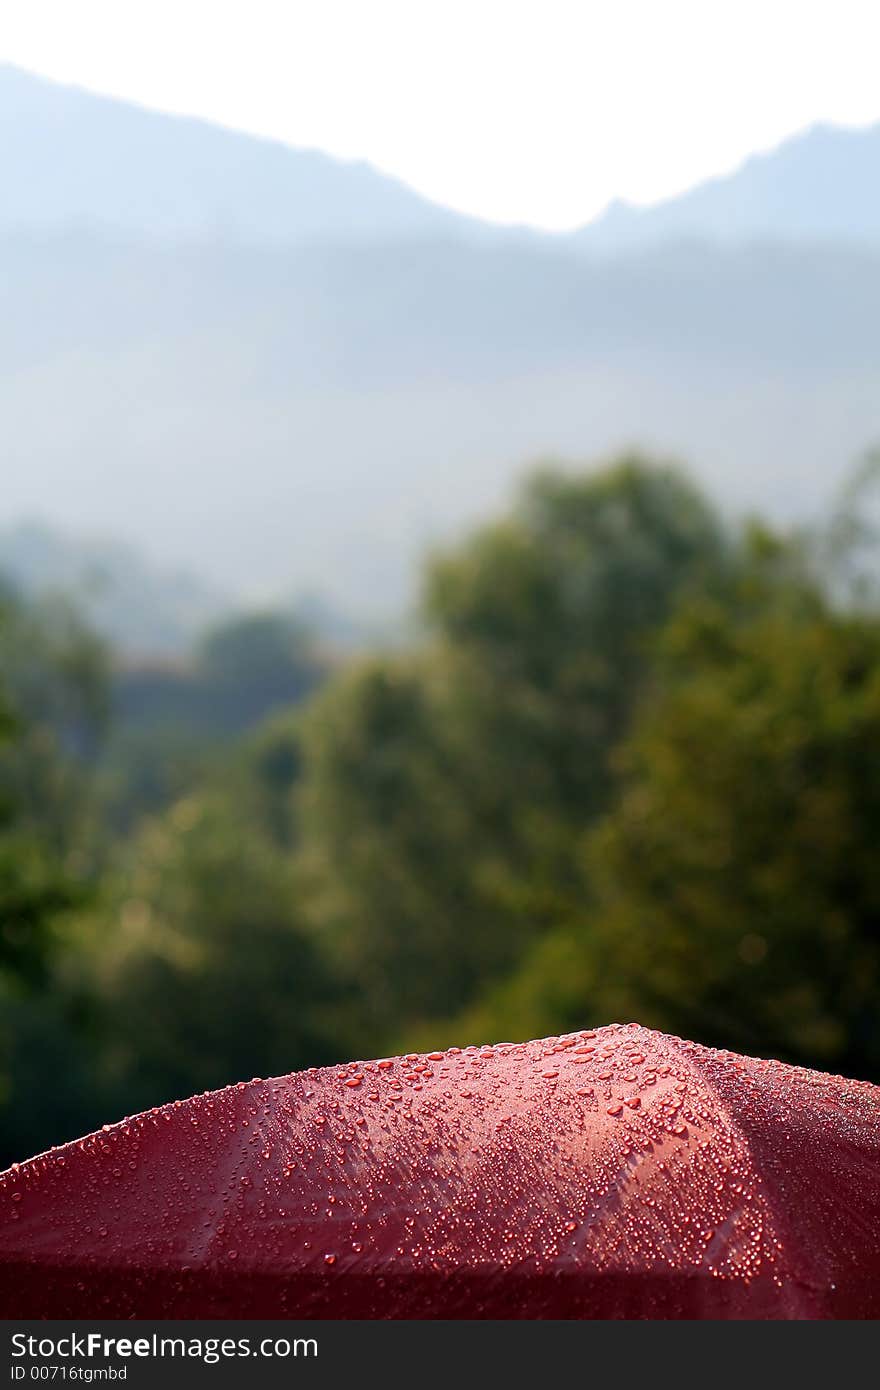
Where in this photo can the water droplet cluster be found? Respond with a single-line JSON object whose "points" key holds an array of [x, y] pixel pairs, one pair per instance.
{"points": [[610, 1172]]}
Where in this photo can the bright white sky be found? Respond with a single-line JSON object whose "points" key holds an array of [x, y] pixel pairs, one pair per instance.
{"points": [[536, 111]]}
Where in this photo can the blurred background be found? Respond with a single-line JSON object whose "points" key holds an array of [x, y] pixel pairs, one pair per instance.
{"points": [[439, 523]]}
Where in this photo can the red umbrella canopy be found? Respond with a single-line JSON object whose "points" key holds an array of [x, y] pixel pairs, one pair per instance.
{"points": [[609, 1173]]}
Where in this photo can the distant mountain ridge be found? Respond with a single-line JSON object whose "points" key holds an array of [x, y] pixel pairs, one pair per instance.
{"points": [[72, 160], [139, 607], [287, 374], [146, 611], [822, 185]]}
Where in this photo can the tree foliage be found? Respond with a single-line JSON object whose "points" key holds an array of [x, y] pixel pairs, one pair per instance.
{"points": [[737, 882], [445, 793], [52, 706]]}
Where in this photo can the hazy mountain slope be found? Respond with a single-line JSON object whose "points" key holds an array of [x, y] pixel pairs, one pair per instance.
{"points": [[139, 607], [72, 160], [309, 419], [820, 186], [290, 374], [144, 610], [363, 318]]}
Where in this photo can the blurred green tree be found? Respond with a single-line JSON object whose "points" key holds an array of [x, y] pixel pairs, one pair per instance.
{"points": [[52, 709], [732, 893], [737, 882], [198, 966], [389, 855], [175, 723], [251, 666], [53, 697], [445, 792]]}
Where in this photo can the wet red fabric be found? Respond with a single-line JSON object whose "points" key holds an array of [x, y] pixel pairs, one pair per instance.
{"points": [[609, 1173]]}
